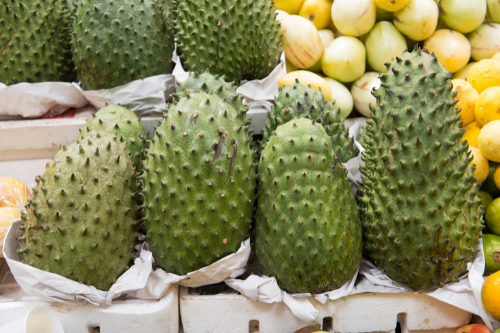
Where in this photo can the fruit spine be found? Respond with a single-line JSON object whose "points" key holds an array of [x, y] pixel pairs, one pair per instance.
{"points": [[420, 212], [298, 100], [81, 220], [308, 233], [198, 184], [115, 42], [35, 39], [239, 39]]}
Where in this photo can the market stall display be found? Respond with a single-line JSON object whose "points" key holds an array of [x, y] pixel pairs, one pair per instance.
{"points": [[372, 177]]}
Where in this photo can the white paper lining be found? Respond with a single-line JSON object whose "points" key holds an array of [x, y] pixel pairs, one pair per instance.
{"points": [[140, 281]]}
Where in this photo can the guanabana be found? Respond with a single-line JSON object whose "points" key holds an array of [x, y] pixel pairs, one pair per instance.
{"points": [[34, 41], [299, 100], [308, 233], [115, 42], [198, 184], [127, 127], [81, 219], [238, 39], [213, 84], [420, 213]]}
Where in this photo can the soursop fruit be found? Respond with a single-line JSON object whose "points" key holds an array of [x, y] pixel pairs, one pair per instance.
{"points": [[419, 204], [216, 85], [238, 39], [308, 233], [81, 219], [125, 124], [35, 38], [115, 42], [198, 184], [299, 100]]}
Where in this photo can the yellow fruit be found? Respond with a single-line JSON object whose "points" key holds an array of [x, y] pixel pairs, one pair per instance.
{"points": [[301, 41], [452, 49], [466, 97], [341, 96], [489, 141], [493, 12], [471, 134], [462, 15], [344, 59], [462, 74], [354, 17], [318, 12], [7, 216], [490, 294], [383, 44], [488, 106], [484, 74], [418, 19], [391, 5], [292, 7], [482, 165], [281, 15], [496, 177], [496, 57], [485, 41], [13, 193], [307, 78], [326, 37]]}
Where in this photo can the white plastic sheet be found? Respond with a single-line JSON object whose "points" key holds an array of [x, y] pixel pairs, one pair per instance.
{"points": [[140, 281]]}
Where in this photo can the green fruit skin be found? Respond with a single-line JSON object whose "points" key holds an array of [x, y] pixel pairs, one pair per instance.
{"points": [[308, 233], [420, 211], [198, 184], [238, 39], [489, 184], [81, 219], [216, 85], [492, 216], [115, 42], [491, 245], [299, 100], [127, 127], [35, 38], [485, 197]]}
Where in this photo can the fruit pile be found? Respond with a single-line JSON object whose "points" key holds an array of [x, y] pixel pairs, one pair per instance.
{"points": [[105, 44], [345, 44]]}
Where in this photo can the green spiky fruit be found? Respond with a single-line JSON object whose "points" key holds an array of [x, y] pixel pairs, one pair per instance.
{"points": [[299, 100], [81, 220], [115, 42], [198, 184], [308, 233], [420, 210], [35, 41], [239, 39], [127, 127], [216, 85]]}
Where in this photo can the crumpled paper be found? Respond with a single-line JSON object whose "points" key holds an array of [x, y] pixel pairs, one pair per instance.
{"points": [[139, 281], [141, 96], [257, 90], [32, 100], [266, 290]]}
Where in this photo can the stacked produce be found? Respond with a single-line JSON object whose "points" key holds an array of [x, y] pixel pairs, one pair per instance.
{"points": [[346, 42], [308, 233]]}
